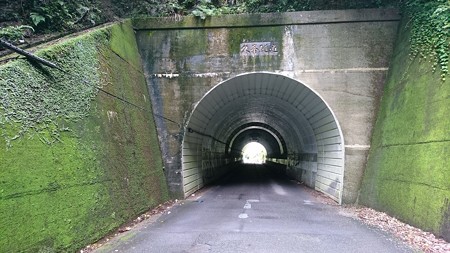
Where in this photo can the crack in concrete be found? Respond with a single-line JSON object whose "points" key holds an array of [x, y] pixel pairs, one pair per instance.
{"points": [[417, 183], [49, 189], [413, 144], [419, 105], [123, 59], [351, 93]]}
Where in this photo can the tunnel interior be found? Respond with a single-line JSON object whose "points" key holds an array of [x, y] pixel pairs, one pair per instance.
{"points": [[293, 123]]}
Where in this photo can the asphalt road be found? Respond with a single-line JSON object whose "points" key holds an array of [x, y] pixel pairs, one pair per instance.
{"points": [[254, 211]]}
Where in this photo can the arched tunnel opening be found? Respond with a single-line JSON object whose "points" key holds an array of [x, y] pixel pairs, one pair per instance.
{"points": [[292, 122]]}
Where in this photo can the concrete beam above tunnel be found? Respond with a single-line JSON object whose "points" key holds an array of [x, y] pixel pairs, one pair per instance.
{"points": [[312, 136]]}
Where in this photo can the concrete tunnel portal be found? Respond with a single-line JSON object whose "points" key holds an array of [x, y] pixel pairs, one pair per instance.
{"points": [[293, 123]]}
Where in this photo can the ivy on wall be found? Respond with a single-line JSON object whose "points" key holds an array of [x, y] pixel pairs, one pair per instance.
{"points": [[36, 101], [430, 31]]}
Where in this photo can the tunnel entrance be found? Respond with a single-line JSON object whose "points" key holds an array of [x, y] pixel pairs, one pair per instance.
{"points": [[293, 123]]}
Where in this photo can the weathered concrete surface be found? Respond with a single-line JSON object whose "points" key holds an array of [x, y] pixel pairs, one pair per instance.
{"points": [[267, 19], [408, 170], [254, 211], [342, 55]]}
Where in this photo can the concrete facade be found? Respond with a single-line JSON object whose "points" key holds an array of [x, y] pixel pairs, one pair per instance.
{"points": [[343, 56]]}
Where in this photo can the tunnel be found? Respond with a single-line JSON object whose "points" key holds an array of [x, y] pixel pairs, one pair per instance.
{"points": [[293, 123]]}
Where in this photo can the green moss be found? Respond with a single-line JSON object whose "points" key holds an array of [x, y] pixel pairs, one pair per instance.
{"points": [[103, 165], [407, 173], [45, 192], [36, 97], [123, 43], [188, 43]]}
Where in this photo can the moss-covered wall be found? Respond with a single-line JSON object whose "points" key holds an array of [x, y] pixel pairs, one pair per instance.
{"points": [[408, 170], [75, 162]]}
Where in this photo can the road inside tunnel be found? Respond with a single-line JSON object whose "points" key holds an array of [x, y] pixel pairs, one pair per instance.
{"points": [[254, 209]]}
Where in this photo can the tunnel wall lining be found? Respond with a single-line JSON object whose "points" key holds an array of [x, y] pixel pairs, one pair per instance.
{"points": [[324, 137]]}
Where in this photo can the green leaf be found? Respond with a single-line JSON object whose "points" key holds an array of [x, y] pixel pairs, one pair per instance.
{"points": [[199, 13], [36, 18]]}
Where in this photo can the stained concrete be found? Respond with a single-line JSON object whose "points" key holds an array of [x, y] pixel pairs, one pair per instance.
{"points": [[341, 55]]}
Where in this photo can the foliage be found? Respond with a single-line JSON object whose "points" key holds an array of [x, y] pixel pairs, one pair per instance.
{"points": [[430, 31], [304, 5], [62, 15], [53, 15], [430, 19], [204, 9], [134, 8], [207, 8], [14, 33]]}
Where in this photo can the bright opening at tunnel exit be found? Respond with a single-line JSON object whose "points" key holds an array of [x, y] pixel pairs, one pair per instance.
{"points": [[254, 153]]}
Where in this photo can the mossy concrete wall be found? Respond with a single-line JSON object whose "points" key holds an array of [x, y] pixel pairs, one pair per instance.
{"points": [[75, 162], [341, 55], [408, 170]]}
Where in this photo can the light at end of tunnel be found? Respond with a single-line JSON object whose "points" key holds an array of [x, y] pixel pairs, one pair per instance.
{"points": [[254, 153]]}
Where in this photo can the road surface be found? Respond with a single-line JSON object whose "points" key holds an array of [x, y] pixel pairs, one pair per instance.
{"points": [[254, 210]]}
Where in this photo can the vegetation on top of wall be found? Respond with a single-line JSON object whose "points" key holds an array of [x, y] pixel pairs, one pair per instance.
{"points": [[430, 19], [15, 33], [430, 31], [306, 5], [49, 16]]}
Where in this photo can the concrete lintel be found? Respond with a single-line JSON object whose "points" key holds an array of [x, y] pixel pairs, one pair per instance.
{"points": [[268, 19]]}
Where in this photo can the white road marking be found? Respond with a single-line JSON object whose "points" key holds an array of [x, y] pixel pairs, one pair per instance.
{"points": [[278, 189], [243, 216], [308, 202]]}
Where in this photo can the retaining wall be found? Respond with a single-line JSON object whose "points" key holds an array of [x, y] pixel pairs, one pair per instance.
{"points": [[76, 163], [408, 170]]}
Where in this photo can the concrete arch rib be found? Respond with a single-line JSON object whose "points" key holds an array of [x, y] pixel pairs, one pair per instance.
{"points": [[308, 127]]}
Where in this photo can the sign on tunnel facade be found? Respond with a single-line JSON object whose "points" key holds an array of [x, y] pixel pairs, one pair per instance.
{"points": [[312, 78], [258, 49]]}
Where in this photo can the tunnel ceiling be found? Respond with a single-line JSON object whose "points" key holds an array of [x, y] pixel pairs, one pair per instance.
{"points": [[284, 115]]}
